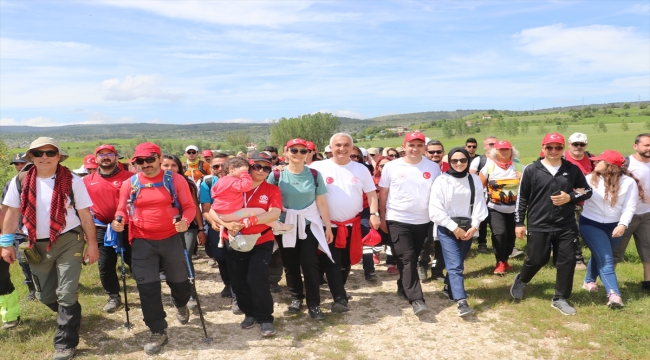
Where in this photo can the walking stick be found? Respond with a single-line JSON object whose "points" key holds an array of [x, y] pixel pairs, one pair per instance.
{"points": [[127, 324], [206, 339]]}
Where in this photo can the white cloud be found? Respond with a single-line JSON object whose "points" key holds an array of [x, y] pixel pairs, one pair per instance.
{"points": [[138, 86], [33, 49], [344, 113], [641, 9], [594, 48], [37, 122]]}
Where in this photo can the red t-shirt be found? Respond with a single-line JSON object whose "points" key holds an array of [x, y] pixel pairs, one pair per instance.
{"points": [[264, 196], [105, 193], [154, 213], [585, 164], [444, 166]]}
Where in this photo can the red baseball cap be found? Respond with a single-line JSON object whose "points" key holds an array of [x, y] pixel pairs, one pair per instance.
{"points": [[207, 153], [610, 156], [297, 141], [90, 162], [145, 150], [311, 146], [503, 144], [416, 135], [553, 138], [105, 147]]}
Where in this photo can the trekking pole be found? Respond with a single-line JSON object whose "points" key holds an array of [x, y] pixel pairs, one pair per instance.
{"points": [[127, 324], [206, 339]]}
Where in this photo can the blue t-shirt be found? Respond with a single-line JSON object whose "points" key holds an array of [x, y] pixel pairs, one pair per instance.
{"points": [[205, 194]]}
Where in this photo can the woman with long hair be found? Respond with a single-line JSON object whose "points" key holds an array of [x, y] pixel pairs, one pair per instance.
{"points": [[390, 153], [605, 216]]}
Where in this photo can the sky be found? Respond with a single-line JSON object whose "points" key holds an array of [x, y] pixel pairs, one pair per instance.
{"points": [[183, 62]]}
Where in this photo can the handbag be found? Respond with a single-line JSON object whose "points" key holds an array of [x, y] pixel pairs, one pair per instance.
{"points": [[245, 243], [465, 223]]}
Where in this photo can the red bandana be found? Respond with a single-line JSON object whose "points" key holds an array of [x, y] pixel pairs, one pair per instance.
{"points": [[504, 165]]}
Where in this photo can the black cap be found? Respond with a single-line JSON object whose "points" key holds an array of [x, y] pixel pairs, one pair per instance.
{"points": [[18, 158]]}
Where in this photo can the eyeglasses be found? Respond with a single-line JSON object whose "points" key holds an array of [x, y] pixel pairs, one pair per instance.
{"points": [[191, 152], [556, 148], [392, 156], [301, 151], [354, 156], [258, 167], [48, 153], [106, 155], [456, 161], [579, 144], [432, 152], [491, 144], [470, 146], [216, 167], [148, 160]]}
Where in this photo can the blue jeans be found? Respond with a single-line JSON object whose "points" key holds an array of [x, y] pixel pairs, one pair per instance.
{"points": [[598, 237], [454, 252]]}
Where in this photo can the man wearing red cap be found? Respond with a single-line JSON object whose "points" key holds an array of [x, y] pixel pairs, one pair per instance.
{"points": [[155, 240], [104, 190], [547, 196], [311, 157], [90, 164], [207, 156], [404, 190]]}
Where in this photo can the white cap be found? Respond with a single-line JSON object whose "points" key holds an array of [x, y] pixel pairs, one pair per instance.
{"points": [[328, 148], [192, 147], [364, 152], [578, 137], [81, 171]]}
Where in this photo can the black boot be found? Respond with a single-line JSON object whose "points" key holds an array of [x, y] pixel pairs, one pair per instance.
{"points": [[69, 322], [32, 292]]}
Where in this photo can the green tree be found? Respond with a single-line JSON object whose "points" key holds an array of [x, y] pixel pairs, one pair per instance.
{"points": [[500, 126], [600, 126], [447, 130], [624, 126], [562, 126], [512, 127], [643, 106], [541, 128], [647, 125], [238, 139], [6, 171], [317, 128], [626, 106], [524, 127]]}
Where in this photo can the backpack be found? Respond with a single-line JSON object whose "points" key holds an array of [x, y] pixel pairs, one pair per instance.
{"points": [[481, 162], [200, 167], [167, 182], [626, 163], [314, 173]]}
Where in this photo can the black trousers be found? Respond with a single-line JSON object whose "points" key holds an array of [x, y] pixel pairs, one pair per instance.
{"points": [[341, 256], [220, 255], [275, 267], [108, 259], [482, 231], [408, 240], [6, 286], [538, 252], [503, 234], [427, 248], [249, 276]]}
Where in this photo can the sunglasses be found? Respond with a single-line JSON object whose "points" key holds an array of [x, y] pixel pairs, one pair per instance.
{"points": [[470, 146], [258, 167], [191, 152], [435, 152], [579, 144], [556, 148], [216, 167], [392, 155], [301, 151], [456, 161], [354, 156], [48, 153], [106, 155], [148, 160]]}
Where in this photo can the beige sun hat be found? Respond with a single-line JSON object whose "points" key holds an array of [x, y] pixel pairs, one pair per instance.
{"points": [[42, 141]]}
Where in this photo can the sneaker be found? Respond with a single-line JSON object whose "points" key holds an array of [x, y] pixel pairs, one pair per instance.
{"points": [[375, 258], [516, 253], [10, 324], [267, 329], [31, 296], [422, 272], [563, 306], [113, 303], [191, 304], [156, 341], [340, 306], [276, 288], [580, 265], [284, 229], [419, 308], [402, 294], [500, 269], [392, 269], [482, 248], [296, 306], [63, 354], [248, 322], [235, 307], [645, 287], [212, 263], [446, 292], [517, 288], [183, 315], [463, 308], [615, 302], [195, 256], [507, 266], [315, 313], [437, 276], [590, 286], [163, 277], [371, 276], [225, 292]]}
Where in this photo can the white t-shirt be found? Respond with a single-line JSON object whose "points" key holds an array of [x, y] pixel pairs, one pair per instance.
{"points": [[474, 164], [552, 169], [346, 185], [409, 188], [600, 210], [504, 185], [44, 189], [642, 172]]}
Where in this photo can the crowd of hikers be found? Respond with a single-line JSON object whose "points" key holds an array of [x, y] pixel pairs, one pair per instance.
{"points": [[311, 216]]}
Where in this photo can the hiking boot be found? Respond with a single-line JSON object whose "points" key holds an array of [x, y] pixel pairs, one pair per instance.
{"points": [[482, 248], [563, 306], [419, 308], [212, 263], [63, 354], [155, 343], [437, 276], [235, 307], [113, 303], [31, 296], [517, 288], [645, 287], [225, 292], [340, 306], [183, 315], [267, 329], [392, 269], [191, 304], [446, 291], [295, 306], [275, 287], [315, 313], [590, 286], [463, 308], [422, 272], [248, 322], [371, 276], [516, 253], [580, 265], [10, 324], [500, 269], [402, 294], [615, 301]]}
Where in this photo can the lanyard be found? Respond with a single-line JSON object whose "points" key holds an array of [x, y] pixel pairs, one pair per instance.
{"points": [[247, 199]]}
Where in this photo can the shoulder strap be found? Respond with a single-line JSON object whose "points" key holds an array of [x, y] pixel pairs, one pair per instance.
{"points": [[135, 187], [168, 182], [472, 194], [626, 163], [518, 166], [201, 169], [209, 182], [314, 173], [184, 166], [481, 162], [276, 176], [490, 169]]}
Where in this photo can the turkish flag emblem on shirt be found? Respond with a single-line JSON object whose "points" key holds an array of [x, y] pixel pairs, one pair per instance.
{"points": [[426, 175], [329, 180]]}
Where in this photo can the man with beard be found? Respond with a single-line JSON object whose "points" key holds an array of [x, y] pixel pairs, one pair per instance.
{"points": [[471, 145], [435, 153], [104, 190]]}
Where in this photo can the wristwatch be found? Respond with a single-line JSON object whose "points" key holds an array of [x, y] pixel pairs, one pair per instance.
{"points": [[375, 213]]}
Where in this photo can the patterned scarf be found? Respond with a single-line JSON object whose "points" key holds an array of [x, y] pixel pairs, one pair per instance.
{"points": [[503, 165], [58, 211]]}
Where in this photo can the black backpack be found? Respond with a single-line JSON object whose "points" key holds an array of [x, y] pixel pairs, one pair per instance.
{"points": [[200, 167]]}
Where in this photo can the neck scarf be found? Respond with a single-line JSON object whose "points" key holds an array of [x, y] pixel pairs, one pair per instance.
{"points": [[58, 211], [504, 165], [451, 170], [190, 163]]}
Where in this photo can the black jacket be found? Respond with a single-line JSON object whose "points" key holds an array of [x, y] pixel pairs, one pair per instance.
{"points": [[535, 189]]}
